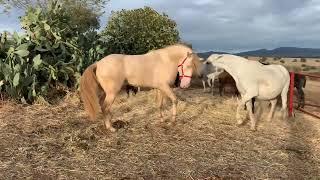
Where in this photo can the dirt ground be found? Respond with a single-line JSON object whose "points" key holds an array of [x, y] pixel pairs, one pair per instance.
{"points": [[58, 142]]}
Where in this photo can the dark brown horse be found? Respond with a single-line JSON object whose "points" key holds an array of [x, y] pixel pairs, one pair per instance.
{"points": [[226, 79], [132, 88]]}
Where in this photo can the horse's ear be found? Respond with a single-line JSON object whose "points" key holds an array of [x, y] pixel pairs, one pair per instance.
{"points": [[189, 54], [220, 56]]}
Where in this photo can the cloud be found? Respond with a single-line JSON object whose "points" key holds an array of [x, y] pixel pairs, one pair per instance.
{"points": [[241, 25], [235, 25]]}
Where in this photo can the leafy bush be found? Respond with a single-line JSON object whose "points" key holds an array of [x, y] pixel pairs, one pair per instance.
{"points": [[282, 61], [303, 60], [263, 59], [139, 30], [49, 54], [295, 60]]}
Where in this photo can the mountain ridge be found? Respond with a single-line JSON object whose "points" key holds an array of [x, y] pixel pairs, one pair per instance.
{"points": [[294, 52]]}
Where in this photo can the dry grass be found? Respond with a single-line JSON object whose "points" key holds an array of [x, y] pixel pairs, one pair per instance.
{"points": [[57, 142]]}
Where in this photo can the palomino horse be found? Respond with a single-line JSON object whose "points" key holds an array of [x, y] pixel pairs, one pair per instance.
{"points": [[255, 80], [135, 89], [155, 69]]}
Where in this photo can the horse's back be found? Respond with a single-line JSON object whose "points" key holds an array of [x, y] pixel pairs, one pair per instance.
{"points": [[280, 70], [110, 65]]}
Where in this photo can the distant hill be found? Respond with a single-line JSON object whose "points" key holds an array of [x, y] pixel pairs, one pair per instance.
{"points": [[205, 55], [284, 52], [278, 52]]}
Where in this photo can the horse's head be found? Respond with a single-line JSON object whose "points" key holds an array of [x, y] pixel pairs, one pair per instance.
{"points": [[187, 61], [187, 67]]}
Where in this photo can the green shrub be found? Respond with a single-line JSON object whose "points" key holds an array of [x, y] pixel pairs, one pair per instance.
{"points": [[263, 59], [303, 60], [139, 30], [49, 54]]}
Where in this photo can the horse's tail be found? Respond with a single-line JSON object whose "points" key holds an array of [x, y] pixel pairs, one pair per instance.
{"points": [[89, 87]]}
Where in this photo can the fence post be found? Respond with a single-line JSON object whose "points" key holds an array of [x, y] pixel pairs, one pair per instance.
{"points": [[291, 94]]}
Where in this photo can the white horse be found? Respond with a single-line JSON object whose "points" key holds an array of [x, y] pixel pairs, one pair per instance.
{"points": [[255, 80], [208, 73]]}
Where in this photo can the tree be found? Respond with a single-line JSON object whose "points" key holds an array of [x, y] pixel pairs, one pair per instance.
{"points": [[139, 30], [84, 14]]}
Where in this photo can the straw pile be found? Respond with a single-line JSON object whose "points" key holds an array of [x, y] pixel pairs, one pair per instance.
{"points": [[58, 142]]}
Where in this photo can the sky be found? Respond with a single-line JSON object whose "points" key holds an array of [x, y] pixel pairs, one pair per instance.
{"points": [[227, 25]]}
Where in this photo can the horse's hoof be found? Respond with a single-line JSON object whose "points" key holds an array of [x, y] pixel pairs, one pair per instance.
{"points": [[161, 120], [239, 122], [253, 128], [172, 123], [269, 119], [111, 129]]}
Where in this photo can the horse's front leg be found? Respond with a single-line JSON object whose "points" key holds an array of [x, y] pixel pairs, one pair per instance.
{"points": [[204, 85], [246, 101], [160, 104], [166, 90]]}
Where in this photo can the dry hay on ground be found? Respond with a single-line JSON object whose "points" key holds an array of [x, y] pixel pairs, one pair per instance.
{"points": [[57, 142]]}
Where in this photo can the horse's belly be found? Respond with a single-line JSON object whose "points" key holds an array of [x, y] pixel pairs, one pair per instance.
{"points": [[269, 91]]}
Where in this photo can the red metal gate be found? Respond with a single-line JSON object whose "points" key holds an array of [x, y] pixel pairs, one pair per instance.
{"points": [[291, 94]]}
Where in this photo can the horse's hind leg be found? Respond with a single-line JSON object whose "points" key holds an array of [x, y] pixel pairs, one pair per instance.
{"points": [[209, 82], [160, 104], [111, 89], [166, 89], [284, 96], [251, 115], [106, 110], [301, 99], [273, 106], [221, 87], [212, 82]]}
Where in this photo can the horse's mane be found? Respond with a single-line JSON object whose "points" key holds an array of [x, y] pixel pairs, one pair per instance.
{"points": [[177, 44]]}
